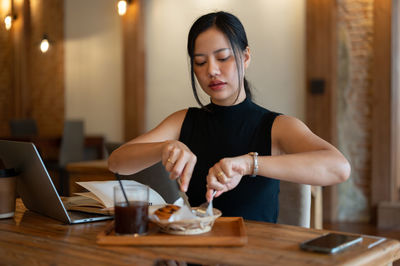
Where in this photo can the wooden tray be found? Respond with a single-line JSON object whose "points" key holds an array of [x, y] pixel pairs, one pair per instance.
{"points": [[227, 231]]}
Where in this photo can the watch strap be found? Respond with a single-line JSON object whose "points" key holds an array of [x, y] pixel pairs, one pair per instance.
{"points": [[255, 163]]}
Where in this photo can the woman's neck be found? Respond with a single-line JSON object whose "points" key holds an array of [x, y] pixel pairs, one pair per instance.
{"points": [[228, 102]]}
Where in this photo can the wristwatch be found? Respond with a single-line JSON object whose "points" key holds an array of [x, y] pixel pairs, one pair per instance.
{"points": [[255, 163]]}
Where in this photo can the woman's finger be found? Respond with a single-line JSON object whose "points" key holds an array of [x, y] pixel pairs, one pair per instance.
{"points": [[209, 194], [221, 176], [170, 162], [174, 163], [213, 183], [178, 166], [226, 167], [210, 191], [187, 172]]}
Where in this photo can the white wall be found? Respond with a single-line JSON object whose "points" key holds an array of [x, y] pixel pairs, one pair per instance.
{"points": [[93, 56], [93, 66], [275, 32]]}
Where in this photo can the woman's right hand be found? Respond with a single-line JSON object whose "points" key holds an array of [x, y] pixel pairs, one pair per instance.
{"points": [[179, 161]]}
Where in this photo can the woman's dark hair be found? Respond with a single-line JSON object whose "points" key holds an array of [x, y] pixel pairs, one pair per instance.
{"points": [[233, 30]]}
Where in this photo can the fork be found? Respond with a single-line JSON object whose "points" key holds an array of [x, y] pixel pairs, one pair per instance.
{"points": [[206, 209]]}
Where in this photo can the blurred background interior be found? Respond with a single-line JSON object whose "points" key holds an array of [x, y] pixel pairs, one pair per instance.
{"points": [[78, 79]]}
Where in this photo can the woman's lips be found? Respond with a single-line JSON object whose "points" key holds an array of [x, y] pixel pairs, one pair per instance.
{"points": [[216, 85]]}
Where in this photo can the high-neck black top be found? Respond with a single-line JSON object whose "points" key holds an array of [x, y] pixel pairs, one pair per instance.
{"points": [[217, 132]]}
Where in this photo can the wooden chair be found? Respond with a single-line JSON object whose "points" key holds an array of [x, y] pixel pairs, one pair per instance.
{"points": [[71, 150], [72, 142], [158, 179], [294, 204], [111, 146], [23, 127]]}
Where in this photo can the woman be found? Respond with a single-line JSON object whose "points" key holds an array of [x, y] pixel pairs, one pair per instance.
{"points": [[231, 145]]}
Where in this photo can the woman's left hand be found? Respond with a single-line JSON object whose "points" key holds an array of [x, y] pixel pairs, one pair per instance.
{"points": [[227, 173]]}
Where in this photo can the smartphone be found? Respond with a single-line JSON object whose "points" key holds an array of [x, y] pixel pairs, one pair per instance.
{"points": [[330, 243], [166, 262]]}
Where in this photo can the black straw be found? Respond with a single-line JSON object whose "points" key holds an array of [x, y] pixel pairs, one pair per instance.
{"points": [[122, 188]]}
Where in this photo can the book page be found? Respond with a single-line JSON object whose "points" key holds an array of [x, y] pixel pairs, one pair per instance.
{"points": [[87, 202], [90, 195], [104, 190], [81, 201]]}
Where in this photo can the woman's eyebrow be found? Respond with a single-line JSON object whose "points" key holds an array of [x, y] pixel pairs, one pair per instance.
{"points": [[215, 52]]}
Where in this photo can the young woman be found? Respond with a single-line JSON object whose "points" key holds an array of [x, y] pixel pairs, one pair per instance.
{"points": [[231, 145]]}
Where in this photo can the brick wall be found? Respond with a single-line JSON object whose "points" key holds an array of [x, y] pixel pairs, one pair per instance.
{"points": [[354, 103], [42, 79]]}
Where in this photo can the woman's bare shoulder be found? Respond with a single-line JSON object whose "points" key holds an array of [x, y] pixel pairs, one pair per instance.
{"points": [[284, 122], [290, 134], [176, 117]]}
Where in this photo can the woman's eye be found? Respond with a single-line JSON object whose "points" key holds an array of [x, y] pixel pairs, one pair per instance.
{"points": [[199, 63], [224, 58]]}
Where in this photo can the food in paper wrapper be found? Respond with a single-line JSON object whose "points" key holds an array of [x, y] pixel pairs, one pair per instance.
{"points": [[182, 221]]}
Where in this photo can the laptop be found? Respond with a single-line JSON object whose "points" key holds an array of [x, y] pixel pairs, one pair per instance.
{"points": [[35, 186]]}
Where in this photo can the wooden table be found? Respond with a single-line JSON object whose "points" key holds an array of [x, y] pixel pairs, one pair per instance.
{"points": [[30, 239]]}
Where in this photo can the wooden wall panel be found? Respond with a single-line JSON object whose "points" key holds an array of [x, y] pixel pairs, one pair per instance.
{"points": [[20, 34], [381, 93], [321, 80], [35, 86], [6, 70], [395, 101], [46, 70], [134, 70]]}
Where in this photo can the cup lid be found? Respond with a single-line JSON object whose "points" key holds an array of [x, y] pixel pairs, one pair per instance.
{"points": [[8, 172]]}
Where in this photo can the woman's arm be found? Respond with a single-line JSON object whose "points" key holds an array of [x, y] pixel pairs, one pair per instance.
{"points": [[298, 155], [149, 148]]}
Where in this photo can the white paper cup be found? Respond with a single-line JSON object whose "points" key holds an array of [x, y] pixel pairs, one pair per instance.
{"points": [[8, 180]]}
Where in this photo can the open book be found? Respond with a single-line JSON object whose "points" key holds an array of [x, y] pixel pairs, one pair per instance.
{"points": [[99, 199]]}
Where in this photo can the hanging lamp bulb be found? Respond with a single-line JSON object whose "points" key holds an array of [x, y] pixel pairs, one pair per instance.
{"points": [[44, 44], [8, 22], [122, 7]]}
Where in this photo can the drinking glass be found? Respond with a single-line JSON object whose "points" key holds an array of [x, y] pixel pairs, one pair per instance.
{"points": [[131, 209]]}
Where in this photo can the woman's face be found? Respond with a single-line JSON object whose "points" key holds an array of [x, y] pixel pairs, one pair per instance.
{"points": [[215, 67]]}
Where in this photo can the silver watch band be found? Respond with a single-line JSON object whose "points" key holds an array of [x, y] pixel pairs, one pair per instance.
{"points": [[255, 163]]}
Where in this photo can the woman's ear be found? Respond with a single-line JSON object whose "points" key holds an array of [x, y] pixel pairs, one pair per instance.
{"points": [[247, 57]]}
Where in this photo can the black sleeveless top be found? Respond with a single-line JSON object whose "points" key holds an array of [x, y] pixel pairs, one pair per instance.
{"points": [[228, 131]]}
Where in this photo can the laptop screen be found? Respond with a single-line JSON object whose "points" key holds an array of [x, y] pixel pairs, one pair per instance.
{"points": [[34, 184]]}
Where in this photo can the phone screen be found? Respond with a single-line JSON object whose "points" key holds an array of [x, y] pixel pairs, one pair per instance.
{"points": [[330, 243]]}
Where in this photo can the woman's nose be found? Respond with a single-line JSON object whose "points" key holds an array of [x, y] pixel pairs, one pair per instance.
{"points": [[213, 68]]}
